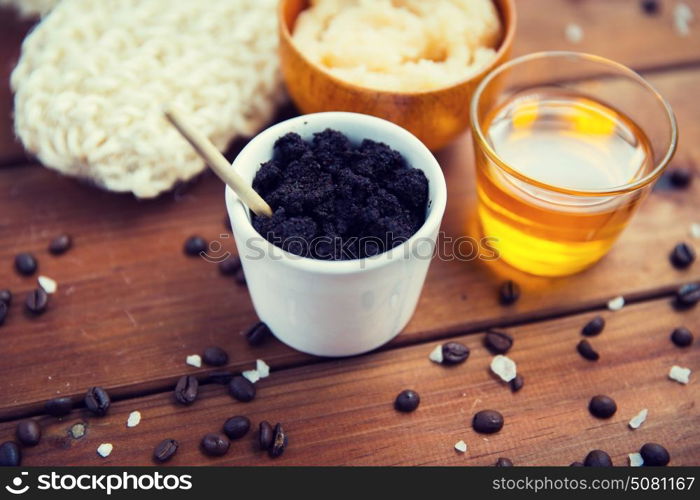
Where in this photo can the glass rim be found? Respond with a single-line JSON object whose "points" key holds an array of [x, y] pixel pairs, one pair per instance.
{"points": [[478, 133]]}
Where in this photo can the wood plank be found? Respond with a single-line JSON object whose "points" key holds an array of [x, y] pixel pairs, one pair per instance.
{"points": [[340, 412], [130, 305]]}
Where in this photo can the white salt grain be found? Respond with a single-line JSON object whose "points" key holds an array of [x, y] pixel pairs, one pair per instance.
{"points": [[682, 15], [573, 33], [104, 449], [461, 446], [504, 367], [638, 419], [617, 303], [262, 368], [251, 375], [695, 230], [436, 354], [679, 374], [49, 285], [194, 360], [77, 431], [134, 419], [636, 460]]}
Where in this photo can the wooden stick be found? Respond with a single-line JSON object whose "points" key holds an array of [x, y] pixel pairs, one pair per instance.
{"points": [[219, 164]]}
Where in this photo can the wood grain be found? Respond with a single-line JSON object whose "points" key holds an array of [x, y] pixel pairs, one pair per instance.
{"points": [[340, 412]]}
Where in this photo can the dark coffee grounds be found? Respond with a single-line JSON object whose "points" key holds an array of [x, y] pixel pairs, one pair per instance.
{"points": [[333, 200]]}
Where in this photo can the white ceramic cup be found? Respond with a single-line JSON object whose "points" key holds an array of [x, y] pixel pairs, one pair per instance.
{"points": [[336, 308]]}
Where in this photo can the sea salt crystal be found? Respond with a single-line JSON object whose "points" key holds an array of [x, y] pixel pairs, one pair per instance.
{"points": [[695, 230], [461, 446], [262, 368], [134, 419], [194, 360], [682, 15], [638, 419], [573, 33], [77, 431], [252, 375], [679, 374], [504, 367], [617, 303], [49, 286], [436, 354], [636, 460], [104, 449]]}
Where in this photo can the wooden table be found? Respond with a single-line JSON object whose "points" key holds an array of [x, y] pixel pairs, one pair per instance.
{"points": [[131, 306]]}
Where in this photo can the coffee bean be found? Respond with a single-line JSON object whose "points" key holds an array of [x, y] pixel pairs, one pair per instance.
{"points": [[37, 301], [186, 389], [407, 401], [165, 450], [239, 277], [237, 427], [194, 245], [25, 263], [220, 377], [279, 441], [682, 337], [602, 406], [215, 445], [593, 327], [28, 432], [487, 422], [60, 244], [597, 458], [498, 342], [59, 407], [517, 383], [265, 435], [6, 297], [681, 177], [257, 334], [650, 7], [576, 464], [10, 454], [97, 401], [654, 454], [3, 312], [454, 353], [586, 350], [504, 462], [230, 266], [687, 296], [241, 389], [682, 256], [215, 356], [509, 292]]}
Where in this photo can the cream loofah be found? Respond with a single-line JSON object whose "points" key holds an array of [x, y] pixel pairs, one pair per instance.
{"points": [[94, 76]]}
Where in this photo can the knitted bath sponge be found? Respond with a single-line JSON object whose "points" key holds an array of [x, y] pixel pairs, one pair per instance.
{"points": [[94, 75]]}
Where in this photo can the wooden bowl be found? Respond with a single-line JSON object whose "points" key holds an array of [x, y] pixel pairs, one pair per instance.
{"points": [[435, 116]]}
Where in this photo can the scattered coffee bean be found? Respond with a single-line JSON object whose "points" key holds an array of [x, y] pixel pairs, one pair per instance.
{"points": [[509, 292], [576, 464], [6, 297], [59, 407], [681, 177], [97, 401], [407, 401], [165, 450], [597, 458], [60, 244], [237, 427], [654, 455], [586, 350], [682, 256], [454, 353], [504, 462], [517, 383], [498, 342], [215, 445], [215, 356], [265, 435], [487, 422], [602, 406], [241, 389], [3, 312], [37, 301], [186, 389], [279, 441], [593, 327], [682, 337], [194, 245], [230, 266], [239, 277], [222, 377], [28, 432], [25, 263], [687, 296], [10, 454], [257, 334], [650, 7]]}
